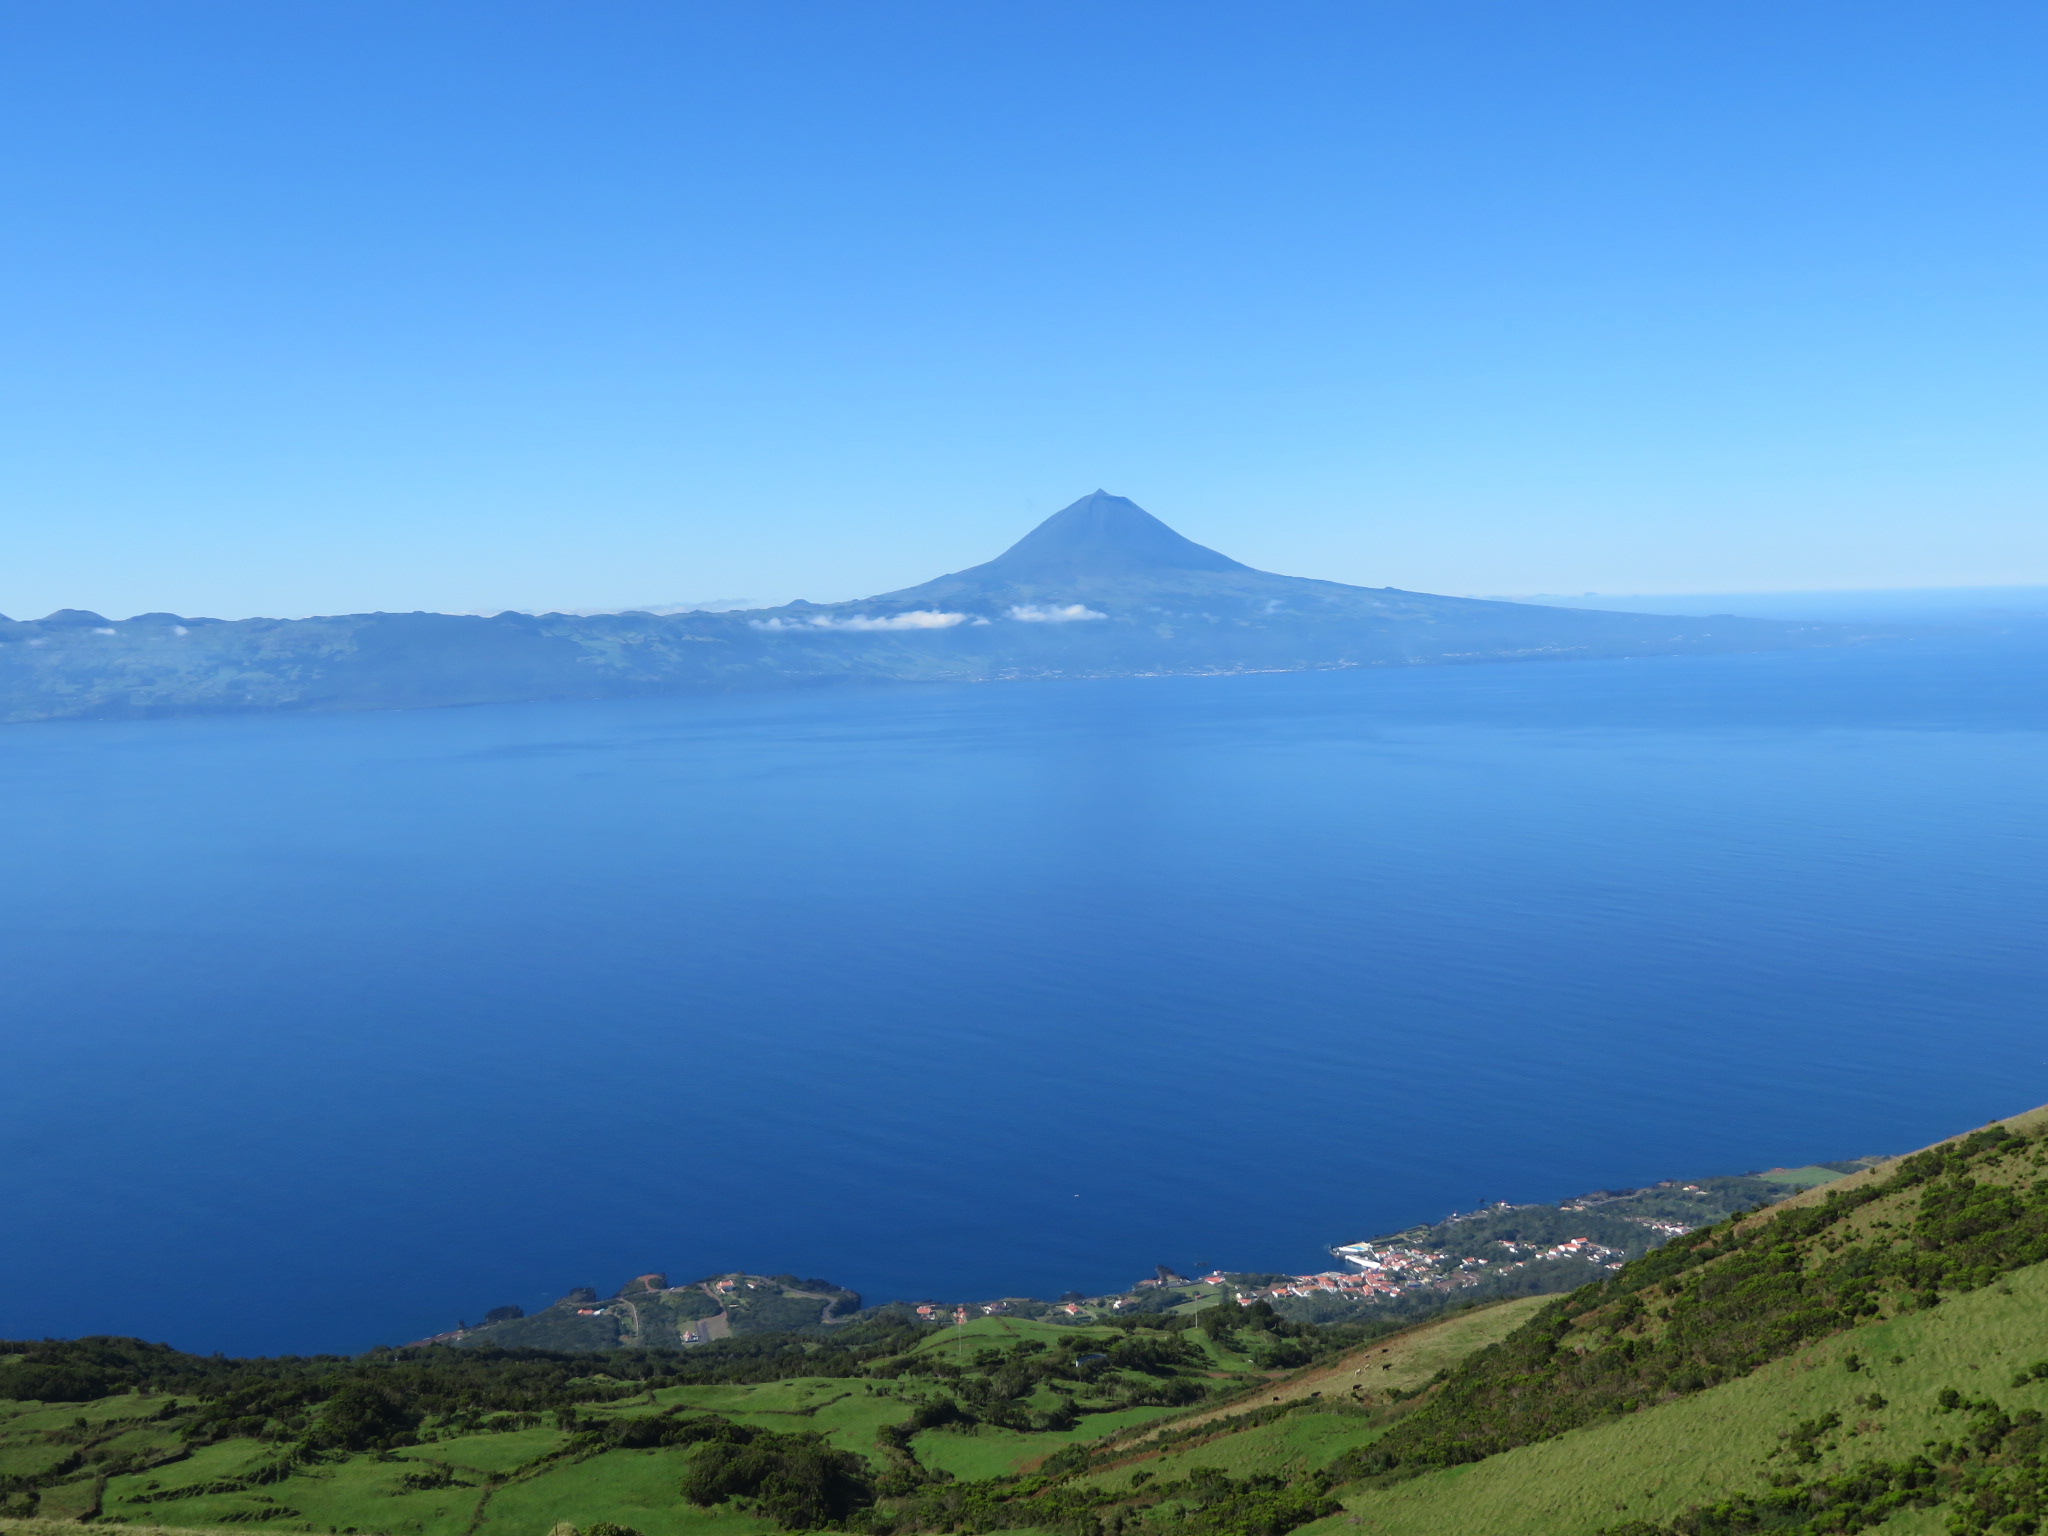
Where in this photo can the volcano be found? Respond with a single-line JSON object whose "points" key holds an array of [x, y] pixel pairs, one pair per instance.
{"points": [[1101, 588], [1099, 535]]}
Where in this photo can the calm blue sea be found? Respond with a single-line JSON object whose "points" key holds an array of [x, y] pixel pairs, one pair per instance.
{"points": [[322, 1032]]}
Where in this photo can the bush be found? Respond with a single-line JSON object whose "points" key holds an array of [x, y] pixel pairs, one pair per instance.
{"points": [[799, 1481]]}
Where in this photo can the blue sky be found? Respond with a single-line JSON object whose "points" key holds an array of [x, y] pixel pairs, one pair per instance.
{"points": [[321, 307]]}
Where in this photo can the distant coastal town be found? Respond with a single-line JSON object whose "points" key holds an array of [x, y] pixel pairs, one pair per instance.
{"points": [[1381, 1269]]}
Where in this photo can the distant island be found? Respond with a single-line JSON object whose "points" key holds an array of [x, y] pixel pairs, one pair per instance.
{"points": [[1099, 589]]}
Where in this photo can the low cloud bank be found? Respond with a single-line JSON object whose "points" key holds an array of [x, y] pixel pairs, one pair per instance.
{"points": [[1046, 613], [916, 618]]}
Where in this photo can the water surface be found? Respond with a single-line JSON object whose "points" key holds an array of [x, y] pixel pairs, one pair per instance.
{"points": [[325, 1031]]}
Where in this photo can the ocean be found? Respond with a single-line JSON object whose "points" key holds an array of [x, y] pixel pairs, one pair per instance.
{"points": [[323, 1032]]}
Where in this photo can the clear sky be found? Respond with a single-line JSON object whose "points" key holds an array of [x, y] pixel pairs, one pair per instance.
{"points": [[331, 305]]}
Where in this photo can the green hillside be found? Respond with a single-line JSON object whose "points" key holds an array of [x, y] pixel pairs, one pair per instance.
{"points": [[1871, 1354]]}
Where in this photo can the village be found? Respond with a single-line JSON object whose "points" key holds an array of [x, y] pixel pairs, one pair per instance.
{"points": [[1380, 1269]]}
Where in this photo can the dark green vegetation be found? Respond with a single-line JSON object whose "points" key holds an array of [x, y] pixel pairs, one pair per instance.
{"points": [[1100, 589], [1869, 1354], [1991, 1474]]}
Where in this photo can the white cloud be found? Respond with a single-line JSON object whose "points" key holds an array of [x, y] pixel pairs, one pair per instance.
{"points": [[1045, 613], [916, 618]]}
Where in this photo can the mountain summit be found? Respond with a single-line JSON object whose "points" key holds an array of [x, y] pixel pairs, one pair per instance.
{"points": [[1100, 535]]}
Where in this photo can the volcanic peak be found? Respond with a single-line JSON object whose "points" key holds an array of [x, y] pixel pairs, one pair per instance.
{"points": [[1100, 535]]}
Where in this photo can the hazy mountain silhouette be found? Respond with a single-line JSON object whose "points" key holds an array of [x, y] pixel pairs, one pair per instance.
{"points": [[1101, 588], [1099, 535]]}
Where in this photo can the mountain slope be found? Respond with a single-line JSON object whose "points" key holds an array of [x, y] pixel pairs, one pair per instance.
{"points": [[1099, 589], [1098, 536], [1725, 1445]]}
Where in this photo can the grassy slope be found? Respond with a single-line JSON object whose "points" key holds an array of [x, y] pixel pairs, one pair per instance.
{"points": [[635, 1488], [983, 1451], [1400, 1362], [1803, 1178], [984, 1331], [363, 1493], [1309, 1437], [1652, 1465], [2026, 1123], [849, 1413]]}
